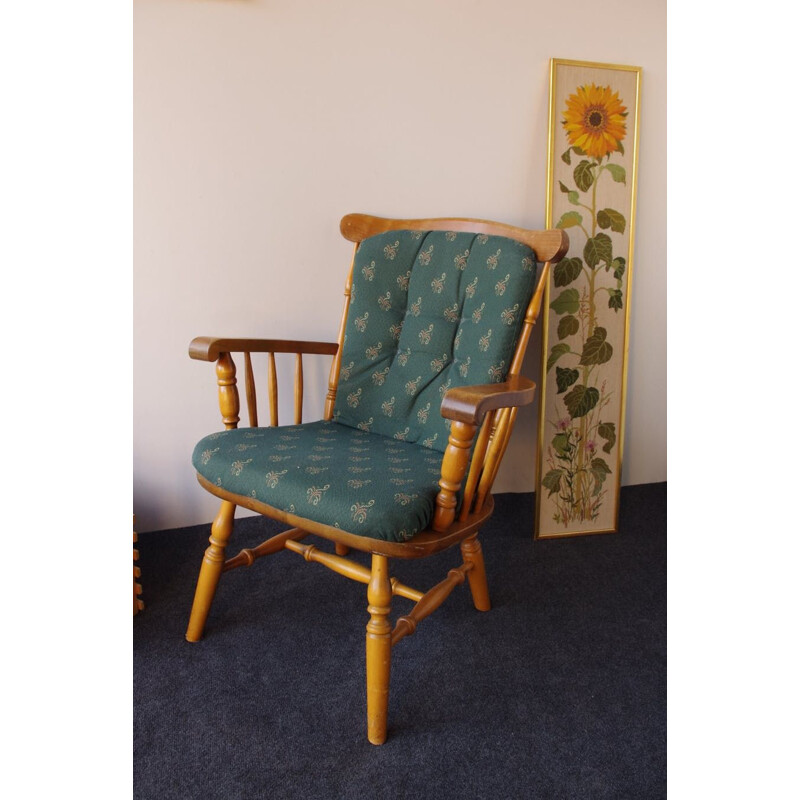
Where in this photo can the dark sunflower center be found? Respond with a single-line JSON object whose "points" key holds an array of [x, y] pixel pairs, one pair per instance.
{"points": [[595, 119]]}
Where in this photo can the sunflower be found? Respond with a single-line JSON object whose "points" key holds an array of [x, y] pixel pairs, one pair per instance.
{"points": [[594, 120]]}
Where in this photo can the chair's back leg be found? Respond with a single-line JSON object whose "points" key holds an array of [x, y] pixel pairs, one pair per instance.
{"points": [[210, 570], [472, 553], [379, 649]]}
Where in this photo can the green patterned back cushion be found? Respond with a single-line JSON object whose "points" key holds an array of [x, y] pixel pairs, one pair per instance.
{"points": [[429, 311]]}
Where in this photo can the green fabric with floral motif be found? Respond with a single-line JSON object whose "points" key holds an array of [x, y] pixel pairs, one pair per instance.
{"points": [[365, 483], [429, 311]]}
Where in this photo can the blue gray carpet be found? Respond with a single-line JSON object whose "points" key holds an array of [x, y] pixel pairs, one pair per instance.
{"points": [[558, 692]]}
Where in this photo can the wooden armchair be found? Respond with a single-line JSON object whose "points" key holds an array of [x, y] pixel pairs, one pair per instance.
{"points": [[437, 317]]}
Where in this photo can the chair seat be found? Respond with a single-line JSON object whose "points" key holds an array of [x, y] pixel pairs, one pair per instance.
{"points": [[331, 473]]}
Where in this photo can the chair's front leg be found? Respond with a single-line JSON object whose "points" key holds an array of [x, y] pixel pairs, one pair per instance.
{"points": [[210, 570], [379, 649]]}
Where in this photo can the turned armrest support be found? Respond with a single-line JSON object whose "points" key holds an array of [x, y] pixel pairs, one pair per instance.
{"points": [[454, 467], [210, 348], [466, 406], [470, 403]]}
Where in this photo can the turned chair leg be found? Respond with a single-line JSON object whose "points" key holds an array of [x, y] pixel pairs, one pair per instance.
{"points": [[379, 649], [472, 553], [210, 570]]}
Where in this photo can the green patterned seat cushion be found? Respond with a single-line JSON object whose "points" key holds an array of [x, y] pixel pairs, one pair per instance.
{"points": [[429, 311], [362, 482]]}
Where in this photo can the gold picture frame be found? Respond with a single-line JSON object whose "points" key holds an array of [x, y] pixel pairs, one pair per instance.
{"points": [[592, 159]]}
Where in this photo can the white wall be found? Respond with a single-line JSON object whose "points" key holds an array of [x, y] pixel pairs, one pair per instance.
{"points": [[259, 123]]}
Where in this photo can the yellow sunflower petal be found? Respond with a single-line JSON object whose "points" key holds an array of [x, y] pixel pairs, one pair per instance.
{"points": [[594, 120]]}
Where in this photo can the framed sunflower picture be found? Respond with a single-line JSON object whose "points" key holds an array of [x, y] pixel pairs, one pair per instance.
{"points": [[591, 192]]}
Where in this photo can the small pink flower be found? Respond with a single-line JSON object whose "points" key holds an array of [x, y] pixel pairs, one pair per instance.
{"points": [[591, 447], [563, 424]]}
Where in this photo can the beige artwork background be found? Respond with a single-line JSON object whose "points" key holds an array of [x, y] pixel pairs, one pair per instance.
{"points": [[581, 457]]}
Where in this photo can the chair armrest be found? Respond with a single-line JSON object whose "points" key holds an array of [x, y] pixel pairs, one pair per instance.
{"points": [[209, 348], [470, 403], [466, 407]]}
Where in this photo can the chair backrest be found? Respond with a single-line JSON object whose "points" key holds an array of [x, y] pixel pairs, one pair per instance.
{"points": [[433, 304], [429, 310]]}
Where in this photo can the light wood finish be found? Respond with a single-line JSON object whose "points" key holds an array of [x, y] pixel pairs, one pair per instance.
{"points": [[476, 464], [503, 439], [473, 555], [272, 390], [210, 570], [401, 590], [250, 391], [492, 407], [429, 602], [210, 348], [531, 316], [503, 421], [454, 467], [248, 556], [344, 566], [470, 403], [549, 245], [227, 392], [333, 380], [379, 649], [425, 543], [298, 389]]}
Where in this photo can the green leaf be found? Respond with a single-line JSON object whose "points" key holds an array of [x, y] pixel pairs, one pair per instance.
{"points": [[552, 481], [561, 444], [584, 177], [598, 249], [565, 156], [600, 470], [577, 150], [567, 326], [567, 271], [556, 353], [596, 350], [618, 265], [621, 149], [615, 299], [572, 195], [617, 172], [565, 378], [607, 431], [581, 400], [600, 465], [568, 302], [569, 220], [609, 218]]}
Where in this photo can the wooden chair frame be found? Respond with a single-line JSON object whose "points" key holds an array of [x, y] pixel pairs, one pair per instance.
{"points": [[490, 409]]}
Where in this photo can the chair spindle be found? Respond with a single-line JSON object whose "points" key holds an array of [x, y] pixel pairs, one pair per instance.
{"points": [[272, 379], [250, 391], [298, 389], [476, 465]]}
